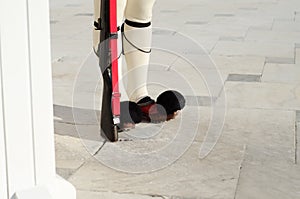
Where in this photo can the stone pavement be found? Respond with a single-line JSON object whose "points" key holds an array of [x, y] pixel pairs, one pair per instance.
{"points": [[238, 64]]}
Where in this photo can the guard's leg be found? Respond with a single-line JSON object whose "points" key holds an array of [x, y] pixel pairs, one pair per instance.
{"points": [[137, 46]]}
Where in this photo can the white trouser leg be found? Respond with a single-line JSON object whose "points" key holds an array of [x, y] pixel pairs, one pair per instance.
{"points": [[138, 11]]}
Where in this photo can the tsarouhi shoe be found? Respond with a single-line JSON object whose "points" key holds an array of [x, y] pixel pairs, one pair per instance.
{"points": [[130, 115], [165, 108]]}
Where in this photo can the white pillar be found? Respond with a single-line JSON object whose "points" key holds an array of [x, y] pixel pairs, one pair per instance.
{"points": [[27, 159]]}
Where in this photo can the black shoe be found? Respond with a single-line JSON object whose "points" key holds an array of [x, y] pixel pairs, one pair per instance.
{"points": [[165, 108], [130, 114]]}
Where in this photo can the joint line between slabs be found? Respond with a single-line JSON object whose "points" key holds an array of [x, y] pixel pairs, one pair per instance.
{"points": [[240, 170], [296, 143], [100, 148], [295, 53]]}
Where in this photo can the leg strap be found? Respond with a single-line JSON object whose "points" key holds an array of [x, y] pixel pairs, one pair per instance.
{"points": [[135, 25]]}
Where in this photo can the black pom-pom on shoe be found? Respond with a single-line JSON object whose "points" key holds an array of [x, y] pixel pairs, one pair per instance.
{"points": [[171, 100]]}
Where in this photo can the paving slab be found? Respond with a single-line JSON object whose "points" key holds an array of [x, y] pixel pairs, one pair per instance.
{"points": [[178, 43], [63, 29], [262, 95], [280, 60], [114, 195], [267, 49], [286, 18], [257, 20], [220, 24], [291, 26], [224, 15], [297, 45], [161, 57], [297, 17], [196, 22], [254, 8], [239, 64], [263, 179], [71, 154], [272, 35], [214, 177], [243, 78], [297, 55], [167, 24], [81, 131], [64, 70], [77, 83], [244, 122], [279, 9], [86, 99], [196, 14], [77, 138], [71, 3], [188, 79], [272, 131], [281, 73], [297, 115], [297, 141], [297, 138], [171, 131], [199, 100], [205, 39], [161, 18], [64, 12], [265, 175], [262, 26], [226, 29], [268, 169], [62, 91], [67, 47], [228, 38], [181, 177]]}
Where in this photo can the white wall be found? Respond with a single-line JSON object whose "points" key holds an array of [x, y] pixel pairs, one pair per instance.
{"points": [[16, 95], [3, 180], [27, 159]]}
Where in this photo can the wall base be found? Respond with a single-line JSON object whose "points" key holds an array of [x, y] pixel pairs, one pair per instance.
{"points": [[58, 189]]}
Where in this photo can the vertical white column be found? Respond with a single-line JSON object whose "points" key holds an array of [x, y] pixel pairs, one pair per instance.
{"points": [[41, 89], [3, 178], [27, 160], [16, 95]]}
